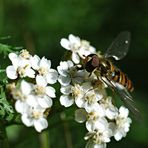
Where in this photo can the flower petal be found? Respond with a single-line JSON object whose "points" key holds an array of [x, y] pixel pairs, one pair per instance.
{"points": [[66, 100], [66, 89], [45, 63], [32, 100], [52, 76], [21, 106], [40, 80], [30, 73], [65, 43], [35, 62], [50, 91], [45, 102], [75, 58], [26, 120], [26, 87], [11, 72], [40, 124], [64, 80]]}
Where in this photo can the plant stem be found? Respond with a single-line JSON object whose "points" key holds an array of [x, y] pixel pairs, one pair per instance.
{"points": [[44, 139], [3, 136]]}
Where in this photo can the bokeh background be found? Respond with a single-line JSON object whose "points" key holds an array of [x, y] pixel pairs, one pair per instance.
{"points": [[38, 25]]}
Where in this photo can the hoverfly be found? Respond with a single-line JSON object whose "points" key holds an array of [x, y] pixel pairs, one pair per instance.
{"points": [[112, 76]]}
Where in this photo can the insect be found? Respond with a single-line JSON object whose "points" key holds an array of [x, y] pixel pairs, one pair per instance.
{"points": [[112, 76]]}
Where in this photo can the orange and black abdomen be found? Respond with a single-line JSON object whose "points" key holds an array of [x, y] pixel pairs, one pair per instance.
{"points": [[121, 78]]}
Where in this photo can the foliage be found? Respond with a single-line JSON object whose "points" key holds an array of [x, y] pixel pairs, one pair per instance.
{"points": [[39, 25]]}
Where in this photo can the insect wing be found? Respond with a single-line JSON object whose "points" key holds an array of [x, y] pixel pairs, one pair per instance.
{"points": [[119, 47], [124, 95], [127, 100]]}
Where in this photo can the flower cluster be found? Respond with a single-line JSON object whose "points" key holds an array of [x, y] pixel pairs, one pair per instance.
{"points": [[30, 87], [31, 78], [102, 118]]}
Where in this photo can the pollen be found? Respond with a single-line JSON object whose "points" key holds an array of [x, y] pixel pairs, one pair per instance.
{"points": [[40, 90], [42, 71], [25, 54]]}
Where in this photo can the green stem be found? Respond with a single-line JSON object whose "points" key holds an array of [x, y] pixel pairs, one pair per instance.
{"points": [[44, 139], [3, 136]]}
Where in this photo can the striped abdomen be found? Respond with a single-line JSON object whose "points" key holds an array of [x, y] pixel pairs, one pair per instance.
{"points": [[121, 78]]}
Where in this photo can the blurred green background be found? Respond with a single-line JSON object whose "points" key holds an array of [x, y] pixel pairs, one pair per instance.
{"points": [[38, 25]]}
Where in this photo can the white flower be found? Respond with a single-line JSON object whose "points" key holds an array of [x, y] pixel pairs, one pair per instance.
{"points": [[88, 96], [21, 96], [122, 123], [111, 111], [43, 66], [94, 117], [72, 44], [35, 117], [21, 66], [100, 135], [69, 73], [66, 99], [86, 49], [43, 94], [78, 47]]}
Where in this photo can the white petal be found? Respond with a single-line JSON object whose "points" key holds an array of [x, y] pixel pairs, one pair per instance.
{"points": [[101, 124], [64, 80], [65, 43], [45, 63], [118, 136], [26, 87], [35, 62], [11, 72], [111, 113], [30, 73], [90, 125], [66, 100], [45, 102], [40, 80], [70, 64], [80, 102], [12, 56], [50, 91], [80, 115], [75, 58], [66, 89], [32, 100], [26, 120], [21, 106], [52, 76], [74, 40], [123, 111], [40, 124]]}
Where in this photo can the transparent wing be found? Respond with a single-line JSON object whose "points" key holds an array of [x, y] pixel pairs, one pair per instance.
{"points": [[119, 47], [127, 100], [125, 96]]}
